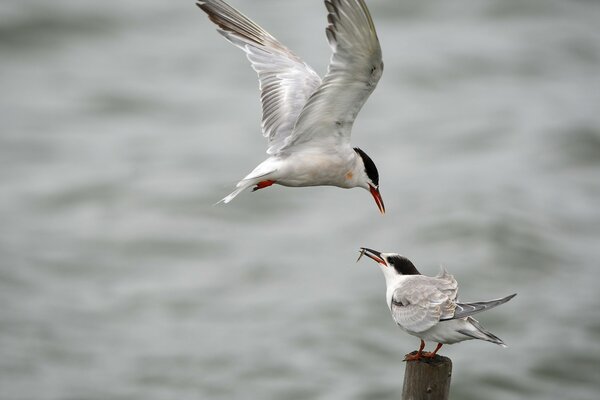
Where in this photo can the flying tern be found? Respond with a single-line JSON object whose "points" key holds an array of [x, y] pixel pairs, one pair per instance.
{"points": [[307, 121], [427, 307]]}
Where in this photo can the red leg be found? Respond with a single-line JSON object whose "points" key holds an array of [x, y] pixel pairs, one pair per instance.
{"points": [[263, 184], [414, 357], [439, 346], [431, 355]]}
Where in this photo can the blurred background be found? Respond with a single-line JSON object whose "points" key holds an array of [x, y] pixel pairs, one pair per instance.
{"points": [[122, 123]]}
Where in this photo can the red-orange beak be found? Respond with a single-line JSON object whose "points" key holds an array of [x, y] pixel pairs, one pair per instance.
{"points": [[378, 200], [372, 254]]}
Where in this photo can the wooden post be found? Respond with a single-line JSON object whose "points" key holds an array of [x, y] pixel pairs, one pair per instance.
{"points": [[427, 379]]}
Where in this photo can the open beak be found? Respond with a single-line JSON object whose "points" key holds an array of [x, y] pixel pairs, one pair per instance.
{"points": [[372, 254], [377, 196]]}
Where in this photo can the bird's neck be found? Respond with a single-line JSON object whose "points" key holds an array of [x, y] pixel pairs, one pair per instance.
{"points": [[392, 282], [355, 172]]}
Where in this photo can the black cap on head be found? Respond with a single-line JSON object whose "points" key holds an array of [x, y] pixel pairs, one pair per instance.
{"points": [[402, 265], [370, 168]]}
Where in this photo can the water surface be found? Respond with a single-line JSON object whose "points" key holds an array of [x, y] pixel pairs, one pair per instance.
{"points": [[124, 122]]}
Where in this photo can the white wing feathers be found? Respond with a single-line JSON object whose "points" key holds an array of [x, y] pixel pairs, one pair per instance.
{"points": [[421, 302], [297, 107], [285, 81], [354, 70]]}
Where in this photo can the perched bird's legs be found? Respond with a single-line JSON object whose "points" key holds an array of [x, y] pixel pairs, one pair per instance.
{"points": [[414, 357], [431, 355], [263, 184]]}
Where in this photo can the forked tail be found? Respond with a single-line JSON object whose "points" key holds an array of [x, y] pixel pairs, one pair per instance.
{"points": [[240, 187], [478, 332], [260, 175]]}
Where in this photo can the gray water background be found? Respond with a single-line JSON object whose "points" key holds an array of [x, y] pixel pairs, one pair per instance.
{"points": [[122, 122]]}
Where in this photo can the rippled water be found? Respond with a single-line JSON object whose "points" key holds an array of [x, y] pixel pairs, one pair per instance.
{"points": [[123, 122]]}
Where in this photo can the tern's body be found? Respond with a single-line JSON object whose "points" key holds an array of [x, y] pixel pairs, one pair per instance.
{"points": [[438, 293], [427, 307], [307, 120], [311, 167]]}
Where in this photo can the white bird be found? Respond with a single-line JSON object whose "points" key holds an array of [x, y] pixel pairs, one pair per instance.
{"points": [[306, 120], [427, 307]]}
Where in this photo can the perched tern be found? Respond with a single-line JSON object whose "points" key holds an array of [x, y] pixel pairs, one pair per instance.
{"points": [[307, 121], [426, 307]]}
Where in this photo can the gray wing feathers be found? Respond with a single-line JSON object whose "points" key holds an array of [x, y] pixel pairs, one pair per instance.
{"points": [[466, 309], [414, 318], [354, 70], [422, 301], [285, 81]]}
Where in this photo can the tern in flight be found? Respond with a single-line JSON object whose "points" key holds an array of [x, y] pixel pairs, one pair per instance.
{"points": [[308, 120]]}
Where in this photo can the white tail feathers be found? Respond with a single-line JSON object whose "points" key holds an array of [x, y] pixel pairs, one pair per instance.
{"points": [[478, 332], [230, 196], [253, 178], [240, 187]]}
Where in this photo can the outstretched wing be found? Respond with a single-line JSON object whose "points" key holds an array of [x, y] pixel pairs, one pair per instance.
{"points": [[285, 81], [354, 70], [421, 301]]}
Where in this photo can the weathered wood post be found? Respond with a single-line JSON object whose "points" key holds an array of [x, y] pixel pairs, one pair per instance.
{"points": [[427, 379]]}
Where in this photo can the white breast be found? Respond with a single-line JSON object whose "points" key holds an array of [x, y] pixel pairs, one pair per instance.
{"points": [[315, 168]]}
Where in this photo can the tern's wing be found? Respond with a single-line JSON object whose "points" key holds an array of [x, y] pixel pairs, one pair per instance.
{"points": [[446, 283], [466, 309], [285, 81], [354, 70], [421, 302]]}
